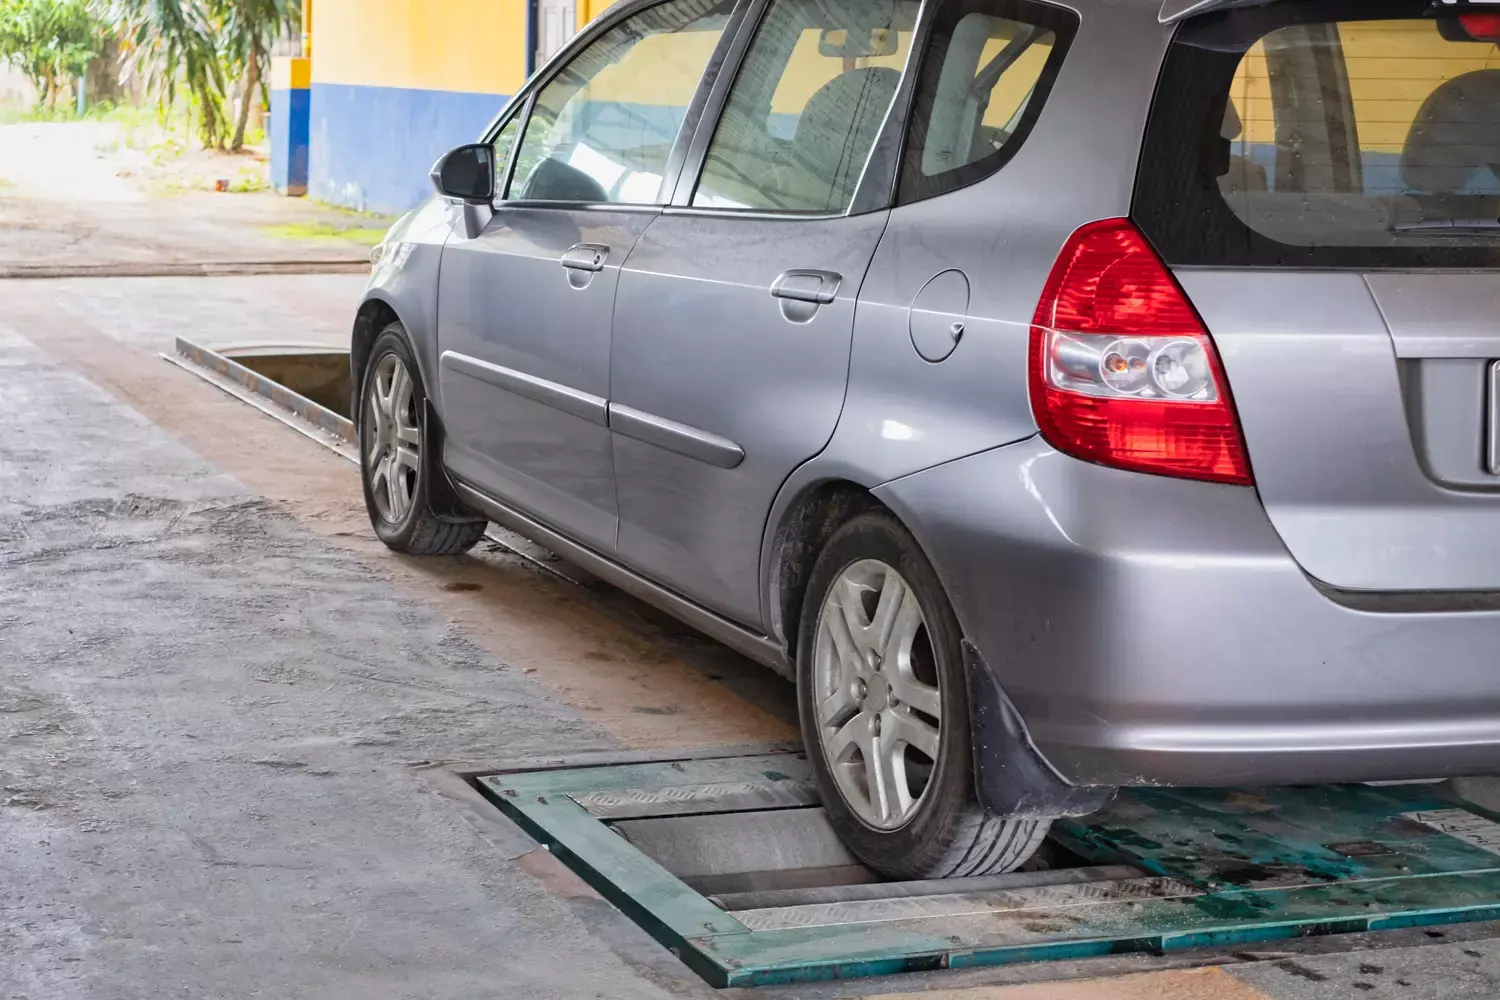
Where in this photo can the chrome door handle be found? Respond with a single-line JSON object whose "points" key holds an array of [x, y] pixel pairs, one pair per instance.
{"points": [[586, 257], [817, 287]]}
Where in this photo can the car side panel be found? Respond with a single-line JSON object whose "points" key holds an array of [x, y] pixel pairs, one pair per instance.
{"points": [[406, 279], [1157, 631], [700, 342], [904, 413]]}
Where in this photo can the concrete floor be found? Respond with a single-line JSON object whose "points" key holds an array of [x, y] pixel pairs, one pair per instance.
{"points": [[227, 714], [75, 195], [217, 716]]}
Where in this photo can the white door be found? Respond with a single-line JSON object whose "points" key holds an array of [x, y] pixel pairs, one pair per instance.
{"points": [[559, 22]]}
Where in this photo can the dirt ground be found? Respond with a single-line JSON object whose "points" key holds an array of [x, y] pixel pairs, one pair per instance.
{"points": [[229, 718], [220, 700], [79, 195]]}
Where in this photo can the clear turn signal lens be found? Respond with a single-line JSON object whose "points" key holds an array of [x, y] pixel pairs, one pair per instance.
{"points": [[1180, 370], [1136, 367]]}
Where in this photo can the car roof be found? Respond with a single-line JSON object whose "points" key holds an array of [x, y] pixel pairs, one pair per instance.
{"points": [[1173, 11], [1163, 11], [1167, 11]]}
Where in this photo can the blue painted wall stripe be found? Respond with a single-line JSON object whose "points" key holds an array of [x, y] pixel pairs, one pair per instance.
{"points": [[289, 140], [372, 147], [1383, 174]]}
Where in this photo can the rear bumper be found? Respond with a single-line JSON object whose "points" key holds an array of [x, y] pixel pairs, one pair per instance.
{"points": [[1156, 631]]}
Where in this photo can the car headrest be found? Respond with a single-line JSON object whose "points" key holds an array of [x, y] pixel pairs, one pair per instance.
{"points": [[1234, 125], [554, 180], [839, 124], [1456, 134]]}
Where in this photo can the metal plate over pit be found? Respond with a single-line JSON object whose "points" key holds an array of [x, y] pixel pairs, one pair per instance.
{"points": [[729, 862]]}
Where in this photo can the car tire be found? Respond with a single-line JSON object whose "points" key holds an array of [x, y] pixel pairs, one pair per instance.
{"points": [[398, 465], [868, 731]]}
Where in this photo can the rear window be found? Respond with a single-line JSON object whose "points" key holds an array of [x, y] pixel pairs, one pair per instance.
{"points": [[1327, 134]]}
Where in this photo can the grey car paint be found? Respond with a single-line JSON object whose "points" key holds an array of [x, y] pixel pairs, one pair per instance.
{"points": [[1190, 648], [1149, 630], [696, 296], [524, 337], [1444, 330], [404, 285], [905, 413], [1316, 375]]}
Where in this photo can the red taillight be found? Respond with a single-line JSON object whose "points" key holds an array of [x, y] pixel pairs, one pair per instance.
{"points": [[1481, 27], [1123, 372]]}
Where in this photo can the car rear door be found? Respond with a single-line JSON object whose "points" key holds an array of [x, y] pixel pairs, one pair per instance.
{"points": [[1340, 235], [736, 309], [525, 305]]}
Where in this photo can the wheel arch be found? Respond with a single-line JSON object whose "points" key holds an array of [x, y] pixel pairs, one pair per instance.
{"points": [[802, 522], [1011, 776], [375, 313]]}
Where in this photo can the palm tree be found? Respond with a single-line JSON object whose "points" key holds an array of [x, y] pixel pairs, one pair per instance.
{"points": [[247, 29], [172, 42], [195, 42]]}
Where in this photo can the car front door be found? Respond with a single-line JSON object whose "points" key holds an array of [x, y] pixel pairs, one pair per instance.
{"points": [[524, 306], [735, 310]]}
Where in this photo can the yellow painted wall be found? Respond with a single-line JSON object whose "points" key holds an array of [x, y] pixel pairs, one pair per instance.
{"points": [[1015, 86], [590, 9], [678, 62], [290, 73], [809, 70], [665, 70], [1394, 66], [413, 44], [473, 46], [659, 70]]}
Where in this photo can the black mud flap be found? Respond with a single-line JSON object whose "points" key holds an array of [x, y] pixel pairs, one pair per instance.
{"points": [[1010, 777], [441, 494]]}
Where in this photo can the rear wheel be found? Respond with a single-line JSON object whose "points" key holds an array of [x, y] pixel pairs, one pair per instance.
{"points": [[885, 712], [398, 467]]}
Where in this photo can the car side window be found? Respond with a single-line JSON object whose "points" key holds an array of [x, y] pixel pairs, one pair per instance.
{"points": [[807, 106], [504, 142], [602, 129], [986, 73]]}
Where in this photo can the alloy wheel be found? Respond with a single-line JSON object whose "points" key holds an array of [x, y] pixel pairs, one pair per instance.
{"points": [[393, 438], [877, 696]]}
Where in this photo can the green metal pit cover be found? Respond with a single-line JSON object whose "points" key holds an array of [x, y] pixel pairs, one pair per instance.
{"points": [[1215, 867]]}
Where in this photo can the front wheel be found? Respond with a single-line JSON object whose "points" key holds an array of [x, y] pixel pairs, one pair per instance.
{"points": [[396, 460], [885, 712]]}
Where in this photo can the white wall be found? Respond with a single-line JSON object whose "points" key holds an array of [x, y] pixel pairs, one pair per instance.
{"points": [[14, 90]]}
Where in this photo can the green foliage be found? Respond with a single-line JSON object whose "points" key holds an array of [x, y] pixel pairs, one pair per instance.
{"points": [[173, 43], [51, 41], [321, 231], [247, 29], [197, 47], [188, 51], [103, 111]]}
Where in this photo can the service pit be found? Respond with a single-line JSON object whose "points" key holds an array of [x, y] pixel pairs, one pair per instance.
{"points": [[729, 862]]}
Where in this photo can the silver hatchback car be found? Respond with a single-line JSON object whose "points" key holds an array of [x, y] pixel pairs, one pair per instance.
{"points": [[1066, 395]]}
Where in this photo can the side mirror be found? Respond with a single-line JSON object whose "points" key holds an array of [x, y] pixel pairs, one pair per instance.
{"points": [[467, 174]]}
